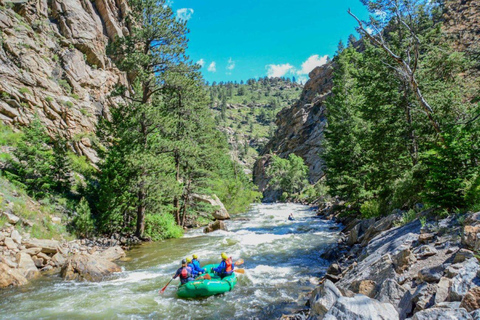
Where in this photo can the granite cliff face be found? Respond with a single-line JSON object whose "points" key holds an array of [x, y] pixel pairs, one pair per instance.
{"points": [[300, 130], [53, 64]]}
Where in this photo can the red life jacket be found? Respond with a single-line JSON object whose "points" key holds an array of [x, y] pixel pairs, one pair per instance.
{"points": [[184, 274], [229, 267]]}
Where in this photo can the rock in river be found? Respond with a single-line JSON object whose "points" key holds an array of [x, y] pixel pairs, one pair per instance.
{"points": [[87, 267]]}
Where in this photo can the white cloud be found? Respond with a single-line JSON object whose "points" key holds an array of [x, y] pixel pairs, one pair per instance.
{"points": [[369, 30], [311, 63], [201, 62], [231, 64], [184, 13], [302, 79], [212, 67], [278, 70], [168, 3]]}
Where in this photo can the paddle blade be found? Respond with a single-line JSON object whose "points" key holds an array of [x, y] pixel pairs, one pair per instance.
{"points": [[207, 277], [242, 271], [239, 262], [163, 290]]}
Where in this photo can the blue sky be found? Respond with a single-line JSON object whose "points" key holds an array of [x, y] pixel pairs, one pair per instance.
{"points": [[238, 40]]}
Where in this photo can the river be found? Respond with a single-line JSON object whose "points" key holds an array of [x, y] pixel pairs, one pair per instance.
{"points": [[282, 265]]}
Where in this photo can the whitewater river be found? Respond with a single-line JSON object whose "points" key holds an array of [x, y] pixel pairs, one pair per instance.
{"points": [[282, 265]]}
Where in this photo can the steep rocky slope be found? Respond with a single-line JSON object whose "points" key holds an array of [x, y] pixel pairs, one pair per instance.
{"points": [[53, 64], [300, 129]]}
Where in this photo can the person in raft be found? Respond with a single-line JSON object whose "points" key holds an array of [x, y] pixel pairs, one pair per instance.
{"points": [[184, 272], [190, 265], [290, 217], [196, 264], [225, 268]]}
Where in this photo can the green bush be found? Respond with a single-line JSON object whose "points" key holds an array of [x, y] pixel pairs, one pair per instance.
{"points": [[161, 226], [24, 90], [370, 209], [83, 223]]}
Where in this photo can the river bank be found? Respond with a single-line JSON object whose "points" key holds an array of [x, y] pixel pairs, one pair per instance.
{"points": [[397, 267]]}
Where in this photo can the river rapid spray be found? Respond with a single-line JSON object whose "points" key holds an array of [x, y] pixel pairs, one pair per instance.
{"points": [[281, 260]]}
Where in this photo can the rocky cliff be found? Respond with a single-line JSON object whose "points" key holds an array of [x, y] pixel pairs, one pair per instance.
{"points": [[300, 129], [53, 64]]}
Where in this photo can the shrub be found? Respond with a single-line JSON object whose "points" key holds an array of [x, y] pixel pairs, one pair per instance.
{"points": [[161, 226], [24, 90], [83, 223], [370, 209]]}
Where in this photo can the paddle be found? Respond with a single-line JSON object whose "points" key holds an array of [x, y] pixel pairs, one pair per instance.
{"points": [[242, 271], [239, 262], [163, 290]]}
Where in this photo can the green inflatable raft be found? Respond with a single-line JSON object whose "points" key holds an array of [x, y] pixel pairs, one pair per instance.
{"points": [[205, 288]]}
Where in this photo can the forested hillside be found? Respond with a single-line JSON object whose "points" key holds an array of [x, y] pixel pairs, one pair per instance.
{"points": [[246, 112]]}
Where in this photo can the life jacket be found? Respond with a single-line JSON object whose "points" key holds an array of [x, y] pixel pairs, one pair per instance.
{"points": [[229, 264], [184, 274]]}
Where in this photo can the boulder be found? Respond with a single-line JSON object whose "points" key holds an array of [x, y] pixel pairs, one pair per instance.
{"points": [[475, 315], [323, 298], [221, 213], [32, 251], [16, 237], [365, 287], [11, 218], [214, 226], [334, 269], [391, 292], [10, 244], [377, 227], [403, 259], [424, 296], [431, 274], [361, 307], [111, 254], [10, 277], [470, 237], [462, 255], [26, 265], [58, 259], [443, 314], [425, 251], [471, 300], [465, 280], [47, 246], [87, 267], [443, 288]]}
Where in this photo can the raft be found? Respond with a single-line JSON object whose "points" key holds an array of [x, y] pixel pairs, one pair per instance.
{"points": [[205, 288]]}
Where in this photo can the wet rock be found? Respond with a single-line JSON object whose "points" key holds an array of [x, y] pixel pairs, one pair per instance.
{"points": [[111, 254], [465, 280], [214, 226], [471, 300], [443, 314], [10, 277], [323, 298], [87, 267], [48, 246], [26, 265], [362, 308], [431, 274], [334, 269]]}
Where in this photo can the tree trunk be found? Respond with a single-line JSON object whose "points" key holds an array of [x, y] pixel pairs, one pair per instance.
{"points": [[176, 200], [413, 148], [141, 212]]}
